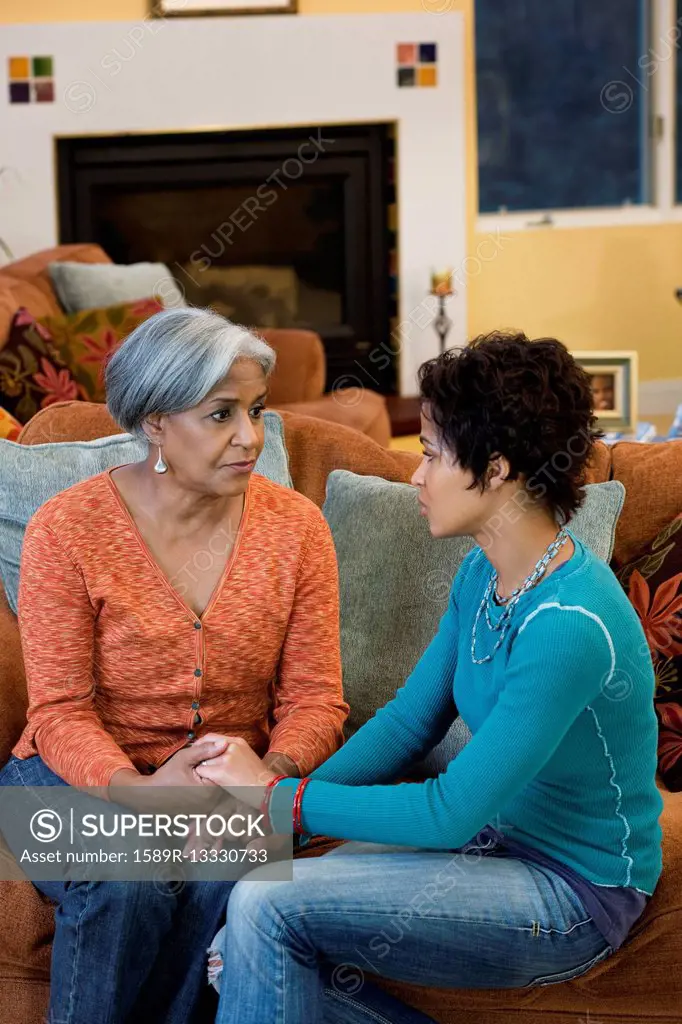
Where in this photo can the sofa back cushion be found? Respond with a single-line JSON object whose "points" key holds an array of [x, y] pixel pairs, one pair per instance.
{"points": [[652, 475], [300, 372]]}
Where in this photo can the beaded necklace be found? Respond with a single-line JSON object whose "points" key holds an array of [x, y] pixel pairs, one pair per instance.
{"points": [[504, 621]]}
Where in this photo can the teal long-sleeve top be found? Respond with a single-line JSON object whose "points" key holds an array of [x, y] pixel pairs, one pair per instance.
{"points": [[564, 735]]}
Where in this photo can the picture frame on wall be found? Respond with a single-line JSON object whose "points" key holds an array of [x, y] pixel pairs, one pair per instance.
{"points": [[614, 377], [200, 8]]}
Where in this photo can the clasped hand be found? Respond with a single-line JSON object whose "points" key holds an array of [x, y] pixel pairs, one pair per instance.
{"points": [[235, 768]]}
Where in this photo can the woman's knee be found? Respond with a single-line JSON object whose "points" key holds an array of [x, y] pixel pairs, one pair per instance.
{"points": [[260, 905]]}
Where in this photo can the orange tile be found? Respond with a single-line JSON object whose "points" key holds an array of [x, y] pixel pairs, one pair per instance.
{"points": [[18, 67], [407, 53], [427, 75]]}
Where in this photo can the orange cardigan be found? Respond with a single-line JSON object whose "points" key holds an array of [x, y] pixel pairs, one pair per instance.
{"points": [[121, 673]]}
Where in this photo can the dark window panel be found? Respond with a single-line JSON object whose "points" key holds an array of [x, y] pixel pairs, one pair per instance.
{"points": [[563, 102]]}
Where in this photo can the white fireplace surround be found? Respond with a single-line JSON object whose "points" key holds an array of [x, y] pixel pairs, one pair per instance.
{"points": [[203, 73]]}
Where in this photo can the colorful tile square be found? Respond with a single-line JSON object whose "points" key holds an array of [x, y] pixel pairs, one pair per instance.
{"points": [[407, 53], [428, 53], [31, 79], [417, 64], [427, 75], [18, 67], [19, 92], [406, 77], [43, 91], [42, 67]]}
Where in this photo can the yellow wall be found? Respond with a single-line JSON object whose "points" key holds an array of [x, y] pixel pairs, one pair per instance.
{"points": [[593, 288]]}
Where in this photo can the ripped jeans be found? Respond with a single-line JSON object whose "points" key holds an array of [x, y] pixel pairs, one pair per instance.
{"points": [[305, 952]]}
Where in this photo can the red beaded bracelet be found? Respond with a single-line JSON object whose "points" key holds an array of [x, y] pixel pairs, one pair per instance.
{"points": [[298, 800], [265, 803]]}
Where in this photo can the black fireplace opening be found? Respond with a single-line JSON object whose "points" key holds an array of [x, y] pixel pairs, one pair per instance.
{"points": [[273, 228]]}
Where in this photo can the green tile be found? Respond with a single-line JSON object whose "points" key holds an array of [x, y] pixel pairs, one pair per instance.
{"points": [[406, 77], [42, 67]]}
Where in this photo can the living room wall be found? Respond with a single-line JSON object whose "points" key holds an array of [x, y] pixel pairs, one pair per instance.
{"points": [[593, 288]]}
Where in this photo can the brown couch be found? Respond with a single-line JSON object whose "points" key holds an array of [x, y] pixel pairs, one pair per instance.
{"points": [[297, 385], [640, 984]]}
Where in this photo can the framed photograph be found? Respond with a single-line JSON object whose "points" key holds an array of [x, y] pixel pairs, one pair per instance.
{"points": [[614, 379], [198, 8]]}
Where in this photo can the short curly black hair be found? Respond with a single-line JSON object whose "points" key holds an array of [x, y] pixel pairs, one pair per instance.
{"points": [[529, 401]]}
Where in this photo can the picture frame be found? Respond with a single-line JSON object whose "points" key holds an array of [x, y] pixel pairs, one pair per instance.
{"points": [[203, 8], [614, 387]]}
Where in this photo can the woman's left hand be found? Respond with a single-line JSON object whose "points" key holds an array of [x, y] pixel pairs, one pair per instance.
{"points": [[236, 767]]}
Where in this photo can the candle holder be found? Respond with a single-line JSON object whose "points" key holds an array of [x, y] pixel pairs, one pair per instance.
{"points": [[441, 287], [442, 323]]}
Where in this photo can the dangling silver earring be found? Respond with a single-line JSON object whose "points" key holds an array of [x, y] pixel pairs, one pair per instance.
{"points": [[160, 466]]}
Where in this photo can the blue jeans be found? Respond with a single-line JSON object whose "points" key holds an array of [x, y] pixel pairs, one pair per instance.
{"points": [[125, 952], [304, 952]]}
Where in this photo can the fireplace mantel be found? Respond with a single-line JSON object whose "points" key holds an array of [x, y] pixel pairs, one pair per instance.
{"points": [[232, 73]]}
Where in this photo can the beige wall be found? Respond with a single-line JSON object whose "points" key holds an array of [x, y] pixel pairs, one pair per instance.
{"points": [[593, 288]]}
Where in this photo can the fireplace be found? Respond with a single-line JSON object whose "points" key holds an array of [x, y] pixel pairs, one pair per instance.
{"points": [[285, 227]]}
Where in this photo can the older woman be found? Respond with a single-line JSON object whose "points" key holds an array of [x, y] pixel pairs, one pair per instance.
{"points": [[160, 600]]}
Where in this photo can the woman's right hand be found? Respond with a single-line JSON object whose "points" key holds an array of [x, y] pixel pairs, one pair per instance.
{"points": [[176, 774]]}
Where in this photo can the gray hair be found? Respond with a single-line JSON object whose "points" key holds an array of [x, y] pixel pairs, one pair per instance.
{"points": [[173, 360]]}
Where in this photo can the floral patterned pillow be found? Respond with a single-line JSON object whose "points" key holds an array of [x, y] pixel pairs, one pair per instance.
{"points": [[9, 427], [653, 582], [33, 374], [61, 358]]}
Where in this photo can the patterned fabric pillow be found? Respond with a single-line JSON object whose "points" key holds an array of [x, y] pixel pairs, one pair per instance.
{"points": [[32, 371], [9, 427], [76, 347], [653, 582]]}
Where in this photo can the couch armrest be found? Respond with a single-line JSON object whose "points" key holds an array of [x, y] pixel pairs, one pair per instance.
{"points": [[301, 369]]}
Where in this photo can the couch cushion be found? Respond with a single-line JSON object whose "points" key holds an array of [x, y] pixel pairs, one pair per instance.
{"points": [[88, 286], [395, 579], [652, 475], [359, 408], [301, 365], [653, 582], [9, 427], [30, 475], [33, 373], [86, 340], [69, 421]]}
